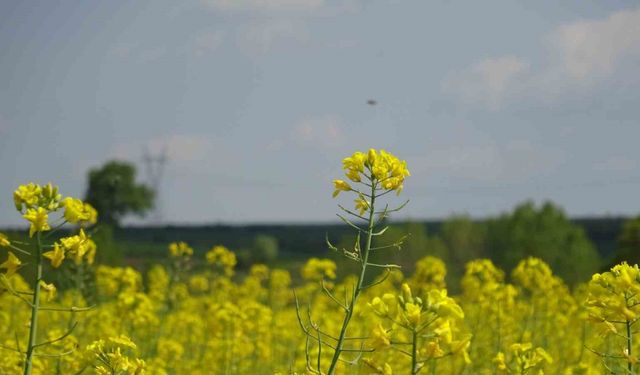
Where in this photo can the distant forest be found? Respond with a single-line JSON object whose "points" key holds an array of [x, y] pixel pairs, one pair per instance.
{"points": [[574, 248], [309, 239]]}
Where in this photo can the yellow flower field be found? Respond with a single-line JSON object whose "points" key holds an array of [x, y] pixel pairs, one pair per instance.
{"points": [[181, 319]]}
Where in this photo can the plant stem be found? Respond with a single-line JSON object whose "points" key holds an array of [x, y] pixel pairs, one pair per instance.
{"points": [[629, 344], [34, 309], [629, 339], [358, 289], [414, 353]]}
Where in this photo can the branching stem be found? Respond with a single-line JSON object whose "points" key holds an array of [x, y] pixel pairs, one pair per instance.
{"points": [[359, 286], [33, 328]]}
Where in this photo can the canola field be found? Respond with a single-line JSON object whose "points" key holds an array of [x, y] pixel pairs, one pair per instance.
{"points": [[69, 315]]}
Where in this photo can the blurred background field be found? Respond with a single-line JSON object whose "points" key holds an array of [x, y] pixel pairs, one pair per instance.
{"points": [[575, 248]]}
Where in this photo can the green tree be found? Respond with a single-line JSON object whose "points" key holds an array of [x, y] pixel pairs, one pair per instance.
{"points": [[465, 240], [629, 242], [416, 244], [546, 233], [114, 192], [110, 253], [265, 248]]}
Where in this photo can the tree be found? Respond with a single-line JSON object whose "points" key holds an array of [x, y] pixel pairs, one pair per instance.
{"points": [[465, 241], [114, 192], [265, 248], [629, 242], [416, 244], [545, 233]]}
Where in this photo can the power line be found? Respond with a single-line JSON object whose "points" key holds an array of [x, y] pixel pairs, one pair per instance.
{"points": [[501, 189], [154, 168]]}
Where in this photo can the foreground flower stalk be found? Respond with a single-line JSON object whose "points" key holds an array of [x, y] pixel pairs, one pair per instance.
{"points": [[35, 203], [377, 173], [358, 289], [35, 308]]}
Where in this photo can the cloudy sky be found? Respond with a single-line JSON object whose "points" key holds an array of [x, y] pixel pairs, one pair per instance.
{"points": [[257, 101]]}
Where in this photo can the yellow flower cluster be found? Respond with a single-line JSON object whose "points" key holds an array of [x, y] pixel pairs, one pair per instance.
{"points": [[430, 274], [190, 320], [77, 211], [222, 258], [12, 264], [180, 249], [210, 324], [614, 296], [37, 202], [79, 247], [375, 166], [4, 240], [524, 358], [378, 168], [319, 269], [108, 356], [433, 325]]}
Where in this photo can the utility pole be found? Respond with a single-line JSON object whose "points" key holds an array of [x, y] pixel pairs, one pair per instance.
{"points": [[154, 169]]}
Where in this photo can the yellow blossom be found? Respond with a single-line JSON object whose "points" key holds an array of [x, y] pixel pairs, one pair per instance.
{"points": [[12, 264], [500, 361], [222, 257], [76, 245], [384, 169], [74, 210], [50, 198], [39, 220], [318, 269], [90, 254], [380, 338], [4, 240], [26, 196], [362, 205], [413, 314], [91, 212], [355, 162], [50, 290], [56, 255], [178, 249], [340, 185], [379, 307]]}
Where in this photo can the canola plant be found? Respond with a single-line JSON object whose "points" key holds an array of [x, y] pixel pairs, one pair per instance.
{"points": [[177, 319]]}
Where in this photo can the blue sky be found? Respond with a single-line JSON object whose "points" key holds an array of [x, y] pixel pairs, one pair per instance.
{"points": [[257, 101]]}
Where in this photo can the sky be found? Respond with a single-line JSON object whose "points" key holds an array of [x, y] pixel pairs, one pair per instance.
{"points": [[256, 102]]}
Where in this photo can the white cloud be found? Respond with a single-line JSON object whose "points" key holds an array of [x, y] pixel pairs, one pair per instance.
{"points": [[177, 148], [487, 81], [515, 161], [275, 23], [122, 50], [151, 55], [4, 124], [582, 53], [475, 163], [260, 37], [207, 42], [135, 52], [596, 47], [616, 163], [322, 130], [252, 5]]}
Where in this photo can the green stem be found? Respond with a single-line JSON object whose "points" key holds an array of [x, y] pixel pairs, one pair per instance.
{"points": [[414, 353], [358, 289], [629, 339], [629, 344], [34, 310]]}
